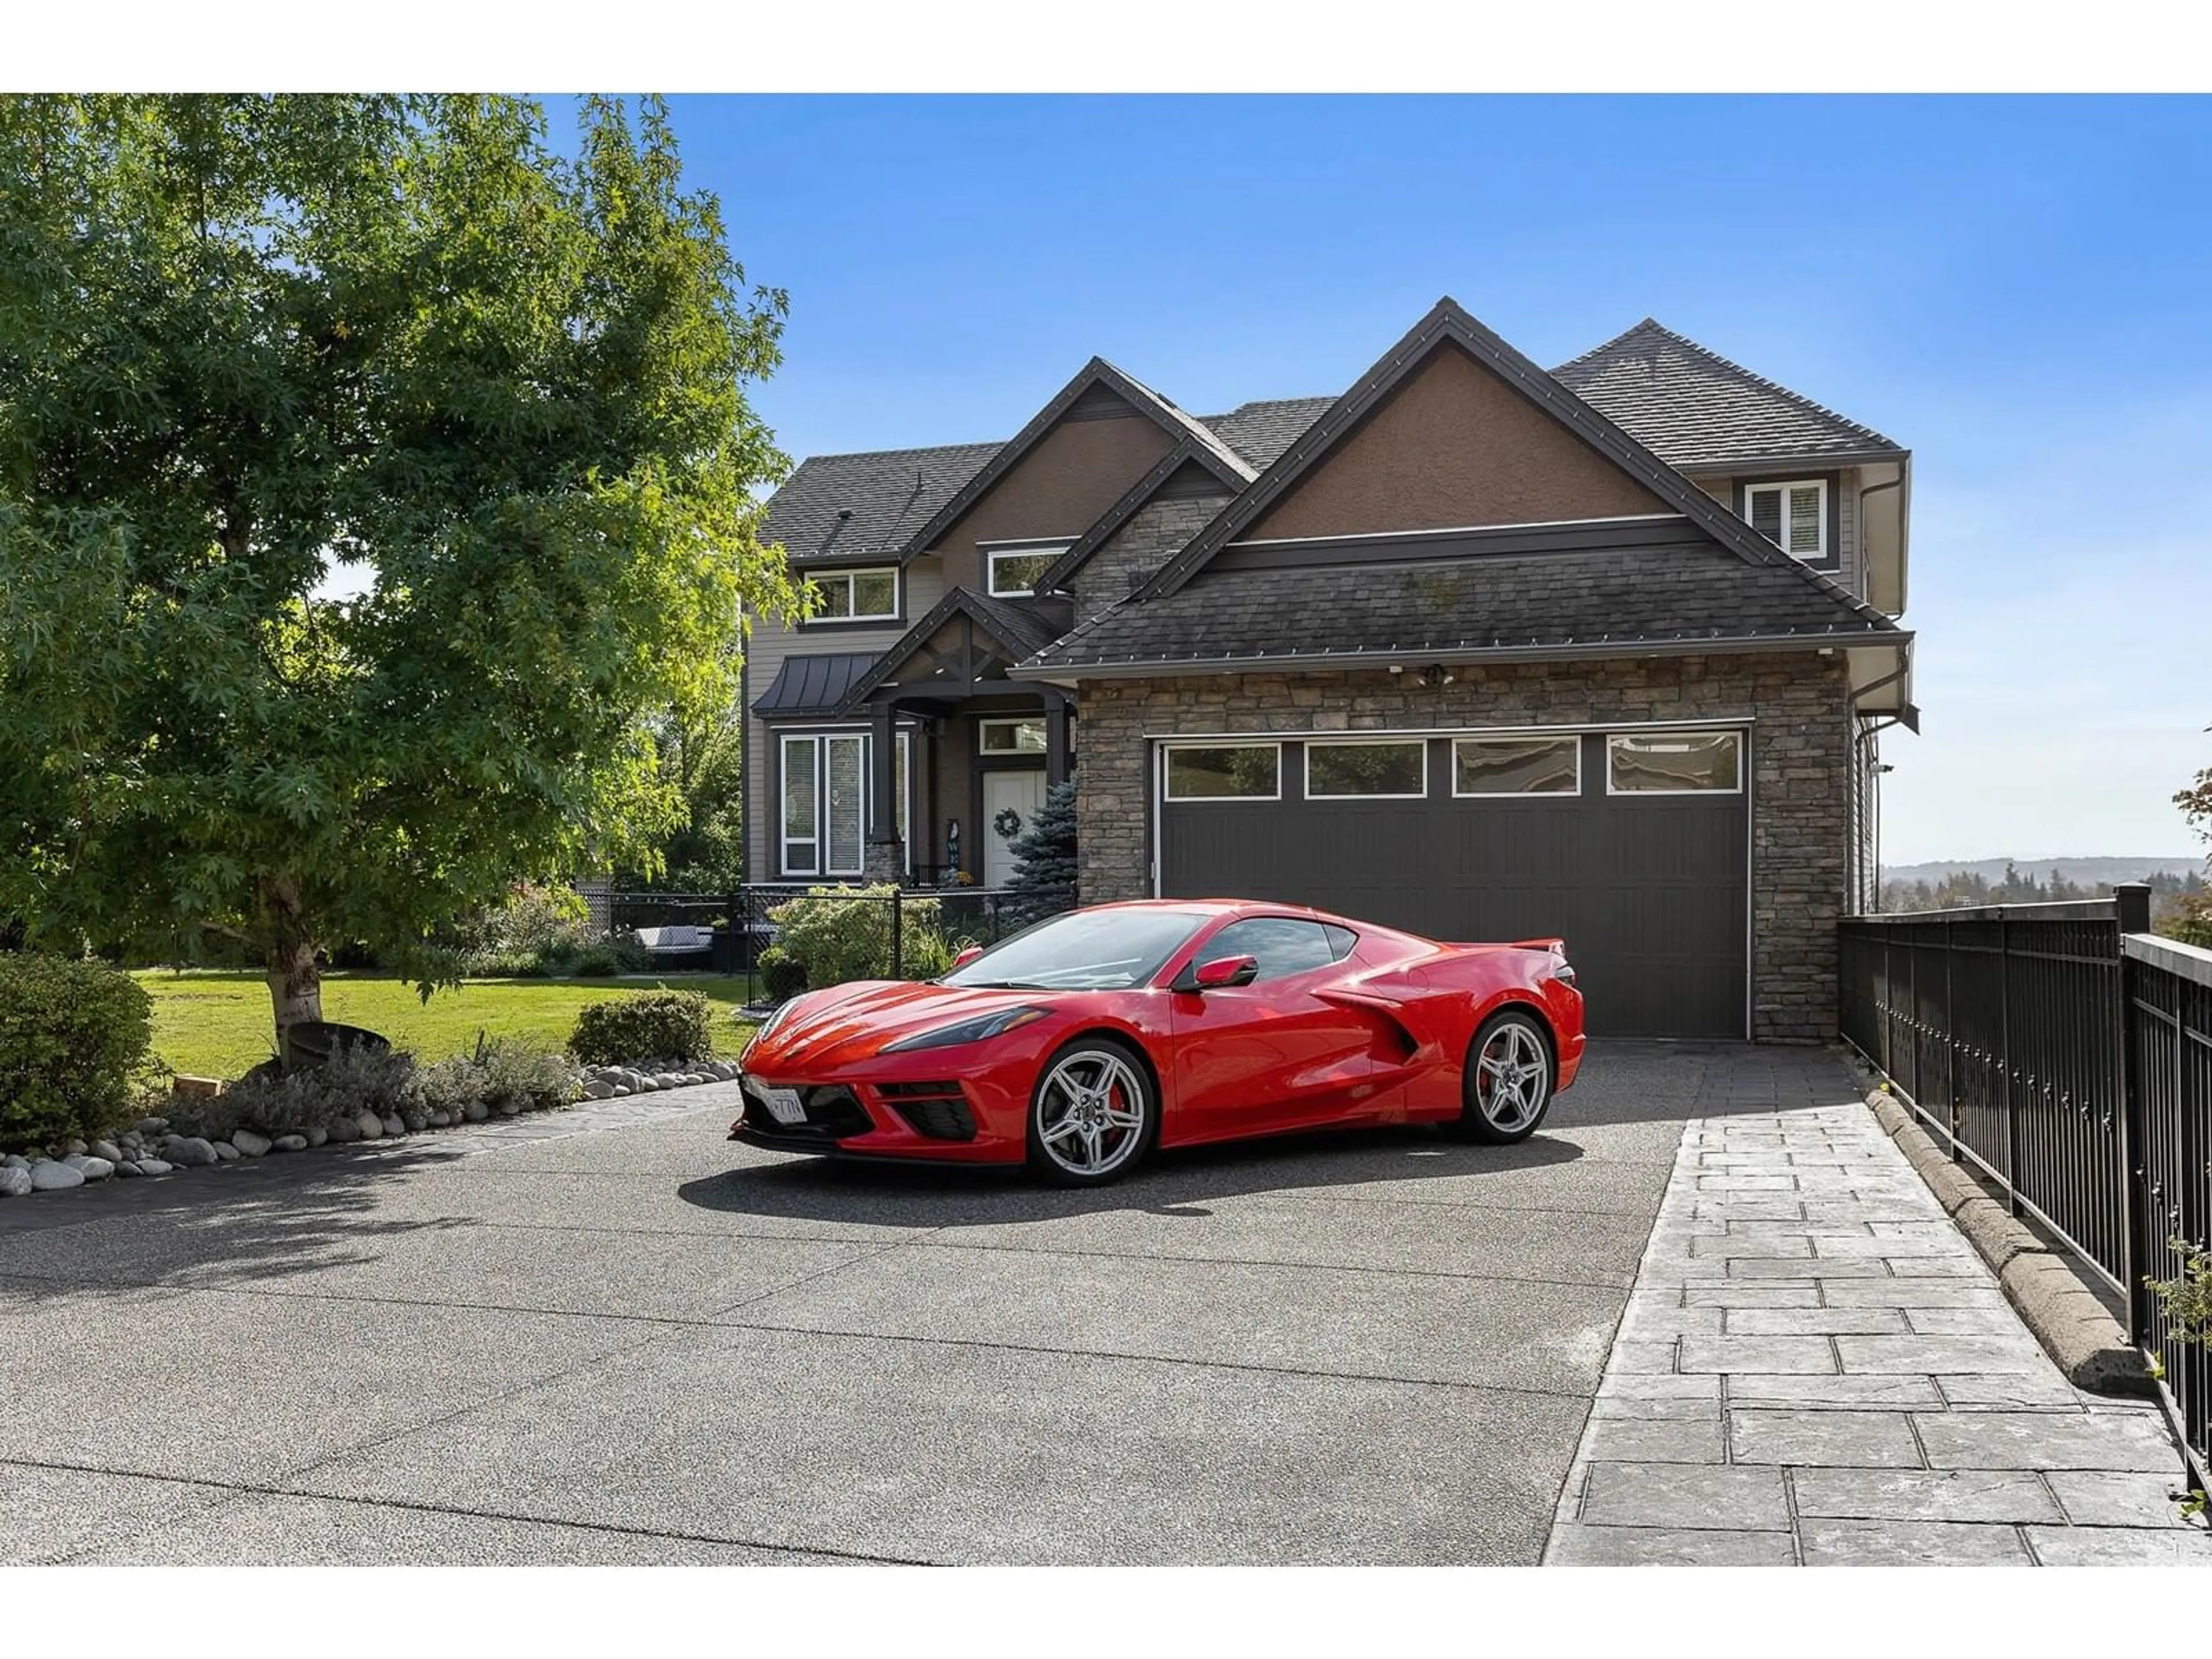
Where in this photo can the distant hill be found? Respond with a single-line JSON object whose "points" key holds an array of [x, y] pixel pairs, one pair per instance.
{"points": [[2086, 871]]}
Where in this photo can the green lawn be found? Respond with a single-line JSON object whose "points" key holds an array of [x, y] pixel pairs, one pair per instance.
{"points": [[212, 1024]]}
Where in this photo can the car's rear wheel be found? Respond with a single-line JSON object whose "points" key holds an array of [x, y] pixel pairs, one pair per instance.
{"points": [[1092, 1114], [1507, 1086]]}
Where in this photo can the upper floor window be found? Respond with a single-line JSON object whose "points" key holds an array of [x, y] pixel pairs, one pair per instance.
{"points": [[1792, 516], [857, 595], [1014, 570]]}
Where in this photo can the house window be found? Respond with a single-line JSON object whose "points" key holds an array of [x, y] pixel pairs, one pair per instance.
{"points": [[1792, 516], [1011, 737], [1225, 771], [825, 803], [857, 595], [1375, 771], [1673, 763], [1014, 570], [1516, 766]]}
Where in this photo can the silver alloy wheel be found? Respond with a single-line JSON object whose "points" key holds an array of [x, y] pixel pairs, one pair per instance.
{"points": [[1091, 1112], [1513, 1077]]}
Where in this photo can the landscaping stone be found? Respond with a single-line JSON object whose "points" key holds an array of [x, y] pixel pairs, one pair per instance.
{"points": [[108, 1150], [415, 1122], [15, 1181], [95, 1169], [598, 1089], [153, 1125], [155, 1166], [252, 1144], [619, 1092], [127, 1169], [288, 1144], [371, 1127], [667, 1079], [441, 1120], [475, 1111], [509, 1109], [392, 1125], [343, 1131], [76, 1148], [52, 1177], [189, 1152], [15, 1161], [227, 1153], [318, 1135]]}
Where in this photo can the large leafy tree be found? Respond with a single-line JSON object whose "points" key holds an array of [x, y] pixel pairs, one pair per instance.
{"points": [[246, 341]]}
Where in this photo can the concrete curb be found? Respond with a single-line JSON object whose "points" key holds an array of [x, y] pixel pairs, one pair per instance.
{"points": [[2086, 1342]]}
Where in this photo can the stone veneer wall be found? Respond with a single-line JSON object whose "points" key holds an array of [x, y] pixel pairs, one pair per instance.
{"points": [[1801, 827], [1154, 532]]}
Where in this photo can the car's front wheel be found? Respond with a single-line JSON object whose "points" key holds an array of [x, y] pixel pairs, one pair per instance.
{"points": [[1507, 1086], [1092, 1114]]}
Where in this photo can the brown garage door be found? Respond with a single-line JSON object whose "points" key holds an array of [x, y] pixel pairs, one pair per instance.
{"points": [[1631, 846]]}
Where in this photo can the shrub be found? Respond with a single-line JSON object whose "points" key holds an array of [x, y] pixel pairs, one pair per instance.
{"points": [[1043, 882], [352, 1081], [839, 933], [781, 976], [73, 1039], [498, 1076], [662, 1025], [534, 930], [927, 953]]}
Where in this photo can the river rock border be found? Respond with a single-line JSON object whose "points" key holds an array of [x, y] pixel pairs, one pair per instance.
{"points": [[150, 1149]]}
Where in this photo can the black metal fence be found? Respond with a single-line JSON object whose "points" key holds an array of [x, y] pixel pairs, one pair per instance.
{"points": [[885, 934], [2066, 1054]]}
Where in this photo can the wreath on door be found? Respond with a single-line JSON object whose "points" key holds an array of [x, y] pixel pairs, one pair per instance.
{"points": [[1008, 824]]}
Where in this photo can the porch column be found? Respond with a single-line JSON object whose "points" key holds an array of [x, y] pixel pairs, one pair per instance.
{"points": [[883, 861], [1056, 711]]}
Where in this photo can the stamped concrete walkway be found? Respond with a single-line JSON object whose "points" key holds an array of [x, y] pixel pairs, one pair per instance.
{"points": [[1816, 1367]]}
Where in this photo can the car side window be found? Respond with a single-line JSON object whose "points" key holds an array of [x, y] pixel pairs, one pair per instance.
{"points": [[1340, 941], [1282, 946]]}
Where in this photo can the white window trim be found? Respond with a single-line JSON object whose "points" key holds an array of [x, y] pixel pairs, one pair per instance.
{"points": [[1167, 775], [827, 578], [992, 554], [1573, 740], [1734, 737], [1373, 740], [1824, 554], [819, 737], [1016, 721]]}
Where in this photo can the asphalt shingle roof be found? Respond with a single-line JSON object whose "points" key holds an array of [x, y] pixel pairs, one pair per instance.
{"points": [[893, 493], [1689, 405], [1671, 593]]}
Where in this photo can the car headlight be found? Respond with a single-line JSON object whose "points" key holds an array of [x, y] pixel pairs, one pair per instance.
{"points": [[969, 1030], [767, 1025]]}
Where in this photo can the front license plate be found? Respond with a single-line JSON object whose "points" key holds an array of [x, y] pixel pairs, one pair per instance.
{"points": [[783, 1104]]}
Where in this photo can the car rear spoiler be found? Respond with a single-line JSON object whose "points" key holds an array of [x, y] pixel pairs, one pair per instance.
{"points": [[1558, 947]]}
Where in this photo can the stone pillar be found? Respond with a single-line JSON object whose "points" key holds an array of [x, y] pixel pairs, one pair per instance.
{"points": [[883, 861]]}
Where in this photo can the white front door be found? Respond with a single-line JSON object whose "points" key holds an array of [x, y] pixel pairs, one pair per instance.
{"points": [[1020, 793]]}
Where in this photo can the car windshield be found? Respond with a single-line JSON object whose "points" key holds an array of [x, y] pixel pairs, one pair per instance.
{"points": [[1082, 950]]}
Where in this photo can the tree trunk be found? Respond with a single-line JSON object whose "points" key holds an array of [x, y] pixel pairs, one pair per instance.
{"points": [[295, 983]]}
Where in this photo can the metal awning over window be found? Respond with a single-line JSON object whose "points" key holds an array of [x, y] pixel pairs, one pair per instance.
{"points": [[812, 687]]}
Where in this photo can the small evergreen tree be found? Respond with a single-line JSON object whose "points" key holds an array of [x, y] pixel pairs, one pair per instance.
{"points": [[1043, 882]]}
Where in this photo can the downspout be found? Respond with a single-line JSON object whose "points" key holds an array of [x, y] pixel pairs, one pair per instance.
{"points": [[1865, 490]]}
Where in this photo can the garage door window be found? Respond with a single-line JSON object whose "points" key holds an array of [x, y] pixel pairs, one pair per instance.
{"points": [[1227, 771], [1674, 763], [1516, 766], [1369, 771]]}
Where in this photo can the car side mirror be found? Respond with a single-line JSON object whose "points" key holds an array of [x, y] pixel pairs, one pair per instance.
{"points": [[1224, 973], [962, 958]]}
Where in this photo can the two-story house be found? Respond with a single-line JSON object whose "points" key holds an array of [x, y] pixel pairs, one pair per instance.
{"points": [[1472, 648]]}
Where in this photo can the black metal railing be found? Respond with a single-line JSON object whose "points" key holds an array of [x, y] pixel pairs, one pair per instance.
{"points": [[2066, 1054], [888, 933]]}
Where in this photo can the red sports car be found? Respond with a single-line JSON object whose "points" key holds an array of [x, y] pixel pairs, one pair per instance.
{"points": [[1082, 1042]]}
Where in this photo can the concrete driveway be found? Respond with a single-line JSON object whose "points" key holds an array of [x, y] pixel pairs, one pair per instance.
{"points": [[613, 1336]]}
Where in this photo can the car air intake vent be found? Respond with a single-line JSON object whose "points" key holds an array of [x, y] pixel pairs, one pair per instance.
{"points": [[936, 1109], [834, 1108]]}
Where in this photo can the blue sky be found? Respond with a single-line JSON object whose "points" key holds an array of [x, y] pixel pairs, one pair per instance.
{"points": [[2017, 289]]}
